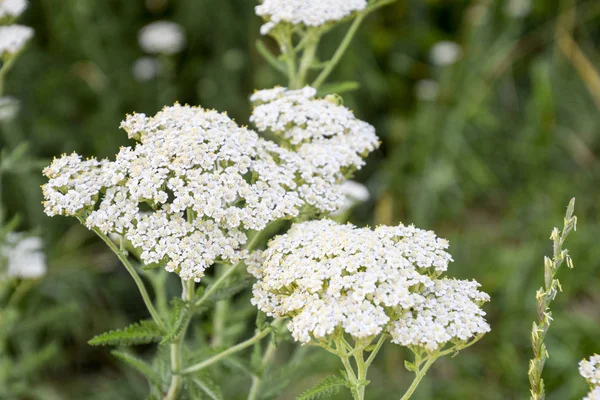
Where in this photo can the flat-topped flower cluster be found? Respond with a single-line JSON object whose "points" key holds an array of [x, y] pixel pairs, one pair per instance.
{"points": [[305, 12], [590, 370], [205, 180], [326, 276]]}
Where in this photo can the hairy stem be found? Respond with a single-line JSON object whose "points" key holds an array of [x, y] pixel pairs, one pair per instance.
{"points": [[138, 281], [176, 347]]}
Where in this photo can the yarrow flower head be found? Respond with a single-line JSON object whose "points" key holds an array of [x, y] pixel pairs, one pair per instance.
{"points": [[12, 8], [305, 12], [326, 135], [590, 370], [188, 192], [326, 276], [13, 38], [24, 256], [162, 37]]}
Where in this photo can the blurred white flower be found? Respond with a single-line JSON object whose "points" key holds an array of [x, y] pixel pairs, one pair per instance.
{"points": [[445, 53], [13, 38], [590, 370], [518, 8], [162, 37], [12, 8], [594, 394], [427, 89], [145, 68], [305, 12], [9, 108], [355, 193], [26, 258]]}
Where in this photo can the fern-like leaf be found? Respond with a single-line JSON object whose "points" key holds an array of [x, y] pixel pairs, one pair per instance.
{"points": [[142, 332], [182, 313], [208, 387], [139, 365], [324, 389]]}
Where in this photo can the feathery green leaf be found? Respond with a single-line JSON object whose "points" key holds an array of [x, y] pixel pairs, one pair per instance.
{"points": [[324, 389], [142, 332]]}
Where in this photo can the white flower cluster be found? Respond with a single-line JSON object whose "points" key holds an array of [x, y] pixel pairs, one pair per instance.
{"points": [[305, 12], [25, 256], [206, 180], [12, 8], [13, 38], [327, 136], [162, 37], [590, 370], [326, 276]]}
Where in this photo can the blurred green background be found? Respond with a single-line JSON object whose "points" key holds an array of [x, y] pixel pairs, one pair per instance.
{"points": [[487, 151]]}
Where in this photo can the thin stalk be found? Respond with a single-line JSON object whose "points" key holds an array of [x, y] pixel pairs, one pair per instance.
{"points": [[373, 354], [221, 310], [257, 378], [420, 375], [290, 60], [138, 281], [232, 350], [337, 56], [307, 58], [176, 347]]}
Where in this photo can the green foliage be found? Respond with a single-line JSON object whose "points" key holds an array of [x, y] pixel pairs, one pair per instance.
{"points": [[181, 316], [140, 366], [142, 332], [324, 389], [207, 387]]}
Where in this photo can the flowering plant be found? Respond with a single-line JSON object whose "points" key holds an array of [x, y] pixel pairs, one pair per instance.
{"points": [[198, 195]]}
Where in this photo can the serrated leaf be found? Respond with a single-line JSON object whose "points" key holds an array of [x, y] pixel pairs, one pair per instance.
{"points": [[182, 314], [139, 365], [324, 389], [142, 332], [208, 387]]}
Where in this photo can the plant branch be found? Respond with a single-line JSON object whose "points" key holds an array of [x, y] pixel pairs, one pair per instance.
{"points": [[232, 350], [138, 281]]}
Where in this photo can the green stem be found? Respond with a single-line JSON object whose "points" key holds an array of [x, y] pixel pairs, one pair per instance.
{"points": [[420, 375], [290, 60], [138, 281], [220, 316], [307, 58], [373, 354], [176, 348], [337, 56], [257, 378], [232, 350]]}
